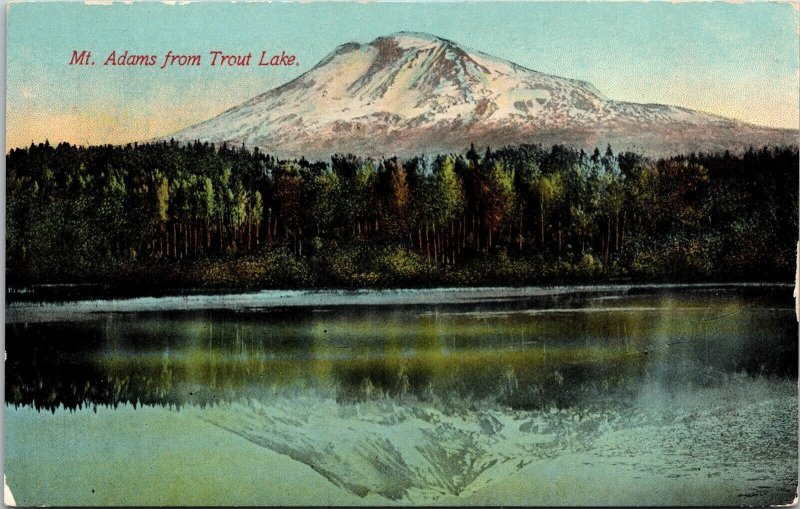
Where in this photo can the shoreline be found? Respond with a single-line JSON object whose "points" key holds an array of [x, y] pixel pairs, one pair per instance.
{"points": [[53, 310], [55, 291]]}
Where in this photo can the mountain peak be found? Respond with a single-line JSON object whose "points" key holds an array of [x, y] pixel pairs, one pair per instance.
{"points": [[409, 92], [412, 39], [400, 40]]}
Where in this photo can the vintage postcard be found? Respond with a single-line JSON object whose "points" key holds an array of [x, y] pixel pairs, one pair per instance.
{"points": [[401, 253]]}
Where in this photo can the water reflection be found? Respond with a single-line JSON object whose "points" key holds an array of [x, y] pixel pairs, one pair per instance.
{"points": [[524, 354]]}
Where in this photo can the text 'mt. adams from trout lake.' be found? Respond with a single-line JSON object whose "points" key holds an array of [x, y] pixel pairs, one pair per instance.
{"points": [[214, 58]]}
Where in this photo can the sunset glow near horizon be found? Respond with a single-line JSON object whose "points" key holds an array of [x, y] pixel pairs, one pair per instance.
{"points": [[734, 60]]}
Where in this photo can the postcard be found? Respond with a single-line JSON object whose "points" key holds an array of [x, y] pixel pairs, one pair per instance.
{"points": [[401, 253]]}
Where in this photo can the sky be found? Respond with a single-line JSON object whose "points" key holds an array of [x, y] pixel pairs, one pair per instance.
{"points": [[738, 60]]}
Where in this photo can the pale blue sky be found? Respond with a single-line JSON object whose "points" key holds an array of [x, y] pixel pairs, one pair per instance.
{"points": [[738, 60]]}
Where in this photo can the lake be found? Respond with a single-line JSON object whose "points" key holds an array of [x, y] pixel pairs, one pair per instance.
{"points": [[648, 395]]}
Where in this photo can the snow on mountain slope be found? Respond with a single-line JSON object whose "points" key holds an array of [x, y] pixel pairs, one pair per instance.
{"points": [[411, 93]]}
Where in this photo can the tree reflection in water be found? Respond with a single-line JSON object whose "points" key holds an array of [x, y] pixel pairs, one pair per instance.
{"points": [[527, 355]]}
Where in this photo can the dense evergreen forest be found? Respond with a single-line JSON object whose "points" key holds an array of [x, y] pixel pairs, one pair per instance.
{"points": [[198, 216]]}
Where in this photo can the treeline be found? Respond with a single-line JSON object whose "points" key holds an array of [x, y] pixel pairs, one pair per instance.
{"points": [[524, 213]]}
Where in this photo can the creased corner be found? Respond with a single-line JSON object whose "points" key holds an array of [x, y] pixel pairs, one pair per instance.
{"points": [[8, 497]]}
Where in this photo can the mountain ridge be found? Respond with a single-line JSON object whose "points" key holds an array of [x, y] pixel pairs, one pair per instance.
{"points": [[409, 93]]}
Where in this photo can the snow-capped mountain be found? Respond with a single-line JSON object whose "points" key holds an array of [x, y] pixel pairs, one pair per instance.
{"points": [[412, 93]]}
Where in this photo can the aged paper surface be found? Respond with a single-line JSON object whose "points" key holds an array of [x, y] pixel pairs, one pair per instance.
{"points": [[461, 253]]}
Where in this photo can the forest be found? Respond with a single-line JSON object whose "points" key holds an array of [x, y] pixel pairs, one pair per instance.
{"points": [[165, 215]]}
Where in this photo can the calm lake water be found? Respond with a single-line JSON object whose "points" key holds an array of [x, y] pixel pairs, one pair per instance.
{"points": [[502, 396]]}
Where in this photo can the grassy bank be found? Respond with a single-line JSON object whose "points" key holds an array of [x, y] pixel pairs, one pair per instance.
{"points": [[364, 265]]}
